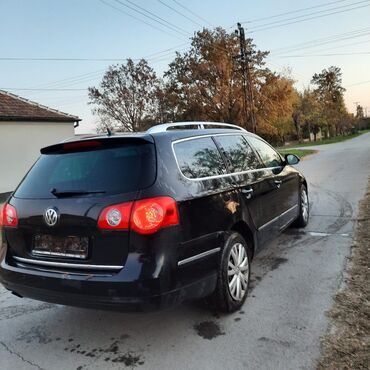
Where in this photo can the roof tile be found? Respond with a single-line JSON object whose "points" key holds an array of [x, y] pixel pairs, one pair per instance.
{"points": [[15, 108]]}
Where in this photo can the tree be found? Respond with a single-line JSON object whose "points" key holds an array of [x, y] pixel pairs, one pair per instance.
{"points": [[126, 97], [274, 102], [308, 114], [359, 111], [205, 83], [328, 87]]}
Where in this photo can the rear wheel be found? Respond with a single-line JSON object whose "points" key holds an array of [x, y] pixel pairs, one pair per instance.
{"points": [[233, 275], [304, 208]]}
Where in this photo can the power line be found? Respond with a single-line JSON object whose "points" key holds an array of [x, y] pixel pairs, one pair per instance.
{"points": [[71, 81], [140, 12], [178, 12], [193, 13], [148, 57], [163, 51], [323, 41], [358, 83], [324, 55], [30, 89], [87, 77], [341, 46], [138, 19], [65, 59], [138, 9], [312, 13], [292, 12], [45, 89], [306, 19]]}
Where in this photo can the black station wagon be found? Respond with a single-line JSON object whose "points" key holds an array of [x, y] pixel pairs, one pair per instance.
{"points": [[145, 221]]}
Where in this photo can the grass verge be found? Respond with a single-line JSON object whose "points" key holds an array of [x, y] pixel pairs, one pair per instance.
{"points": [[300, 152], [347, 345], [331, 140]]}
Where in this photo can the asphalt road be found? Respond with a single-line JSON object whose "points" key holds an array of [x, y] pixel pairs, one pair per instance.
{"points": [[279, 327]]}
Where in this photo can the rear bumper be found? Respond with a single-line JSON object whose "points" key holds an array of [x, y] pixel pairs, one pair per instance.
{"points": [[100, 291]]}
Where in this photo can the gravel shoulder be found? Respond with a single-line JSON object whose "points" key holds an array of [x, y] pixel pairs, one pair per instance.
{"points": [[347, 345]]}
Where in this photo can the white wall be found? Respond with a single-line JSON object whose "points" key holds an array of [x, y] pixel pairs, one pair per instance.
{"points": [[20, 144]]}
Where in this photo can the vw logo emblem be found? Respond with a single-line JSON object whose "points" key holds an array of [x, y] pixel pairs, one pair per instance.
{"points": [[51, 216]]}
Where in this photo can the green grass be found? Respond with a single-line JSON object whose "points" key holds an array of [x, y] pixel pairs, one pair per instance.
{"points": [[331, 140], [299, 152]]}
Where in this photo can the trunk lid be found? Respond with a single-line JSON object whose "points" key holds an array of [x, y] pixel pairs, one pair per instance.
{"points": [[77, 181]]}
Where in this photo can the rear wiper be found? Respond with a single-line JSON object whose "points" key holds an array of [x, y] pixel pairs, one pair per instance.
{"points": [[71, 193]]}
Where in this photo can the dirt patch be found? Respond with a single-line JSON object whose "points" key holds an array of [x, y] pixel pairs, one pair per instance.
{"points": [[277, 262], [129, 359], [111, 353], [208, 330], [347, 345]]}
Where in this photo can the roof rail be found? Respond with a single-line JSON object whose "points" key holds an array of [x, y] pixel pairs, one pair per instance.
{"points": [[199, 125]]}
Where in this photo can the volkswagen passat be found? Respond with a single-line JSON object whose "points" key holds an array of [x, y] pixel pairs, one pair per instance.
{"points": [[145, 221]]}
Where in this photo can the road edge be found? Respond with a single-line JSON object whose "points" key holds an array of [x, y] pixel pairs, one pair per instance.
{"points": [[346, 345]]}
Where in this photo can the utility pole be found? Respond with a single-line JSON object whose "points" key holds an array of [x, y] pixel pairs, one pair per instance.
{"points": [[249, 109]]}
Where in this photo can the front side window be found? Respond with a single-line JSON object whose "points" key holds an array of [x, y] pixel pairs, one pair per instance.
{"points": [[268, 155], [199, 158], [239, 152]]}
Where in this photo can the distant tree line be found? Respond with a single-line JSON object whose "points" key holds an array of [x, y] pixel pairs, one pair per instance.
{"points": [[205, 83]]}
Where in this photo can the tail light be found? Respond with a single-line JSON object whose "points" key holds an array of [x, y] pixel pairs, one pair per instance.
{"points": [[145, 216], [116, 217], [9, 216], [150, 215]]}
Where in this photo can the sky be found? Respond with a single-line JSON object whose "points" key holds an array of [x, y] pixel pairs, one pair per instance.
{"points": [[304, 36]]}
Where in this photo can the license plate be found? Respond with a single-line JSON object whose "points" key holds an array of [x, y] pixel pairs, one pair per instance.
{"points": [[57, 246]]}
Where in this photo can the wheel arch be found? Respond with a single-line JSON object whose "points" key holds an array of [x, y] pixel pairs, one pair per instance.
{"points": [[245, 231]]}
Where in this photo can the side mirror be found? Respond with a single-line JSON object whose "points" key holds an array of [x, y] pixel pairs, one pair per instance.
{"points": [[291, 159]]}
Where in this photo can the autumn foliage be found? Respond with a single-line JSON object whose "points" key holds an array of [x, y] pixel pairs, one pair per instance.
{"points": [[204, 83]]}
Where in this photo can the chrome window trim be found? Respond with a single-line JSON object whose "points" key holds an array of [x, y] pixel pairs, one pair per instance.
{"points": [[277, 217], [215, 176], [68, 265], [198, 256], [264, 141]]}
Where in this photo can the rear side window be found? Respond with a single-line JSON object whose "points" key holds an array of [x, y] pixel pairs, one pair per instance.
{"points": [[268, 155], [111, 170], [199, 158], [239, 152]]}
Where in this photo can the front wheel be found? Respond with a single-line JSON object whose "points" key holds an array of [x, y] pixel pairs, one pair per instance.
{"points": [[233, 275], [304, 208]]}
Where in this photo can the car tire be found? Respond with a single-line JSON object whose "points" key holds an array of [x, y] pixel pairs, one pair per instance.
{"points": [[233, 275], [304, 208]]}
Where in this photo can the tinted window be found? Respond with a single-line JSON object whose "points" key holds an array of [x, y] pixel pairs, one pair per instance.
{"points": [[111, 170], [199, 158], [268, 155], [238, 151]]}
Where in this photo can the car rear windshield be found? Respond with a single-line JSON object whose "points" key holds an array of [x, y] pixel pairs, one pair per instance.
{"points": [[109, 170]]}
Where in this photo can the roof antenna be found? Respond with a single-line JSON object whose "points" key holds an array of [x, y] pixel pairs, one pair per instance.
{"points": [[109, 132]]}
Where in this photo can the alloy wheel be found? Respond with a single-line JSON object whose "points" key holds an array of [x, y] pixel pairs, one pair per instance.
{"points": [[304, 205], [238, 271]]}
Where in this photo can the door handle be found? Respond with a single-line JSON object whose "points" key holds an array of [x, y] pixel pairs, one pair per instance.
{"points": [[278, 183], [248, 193]]}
